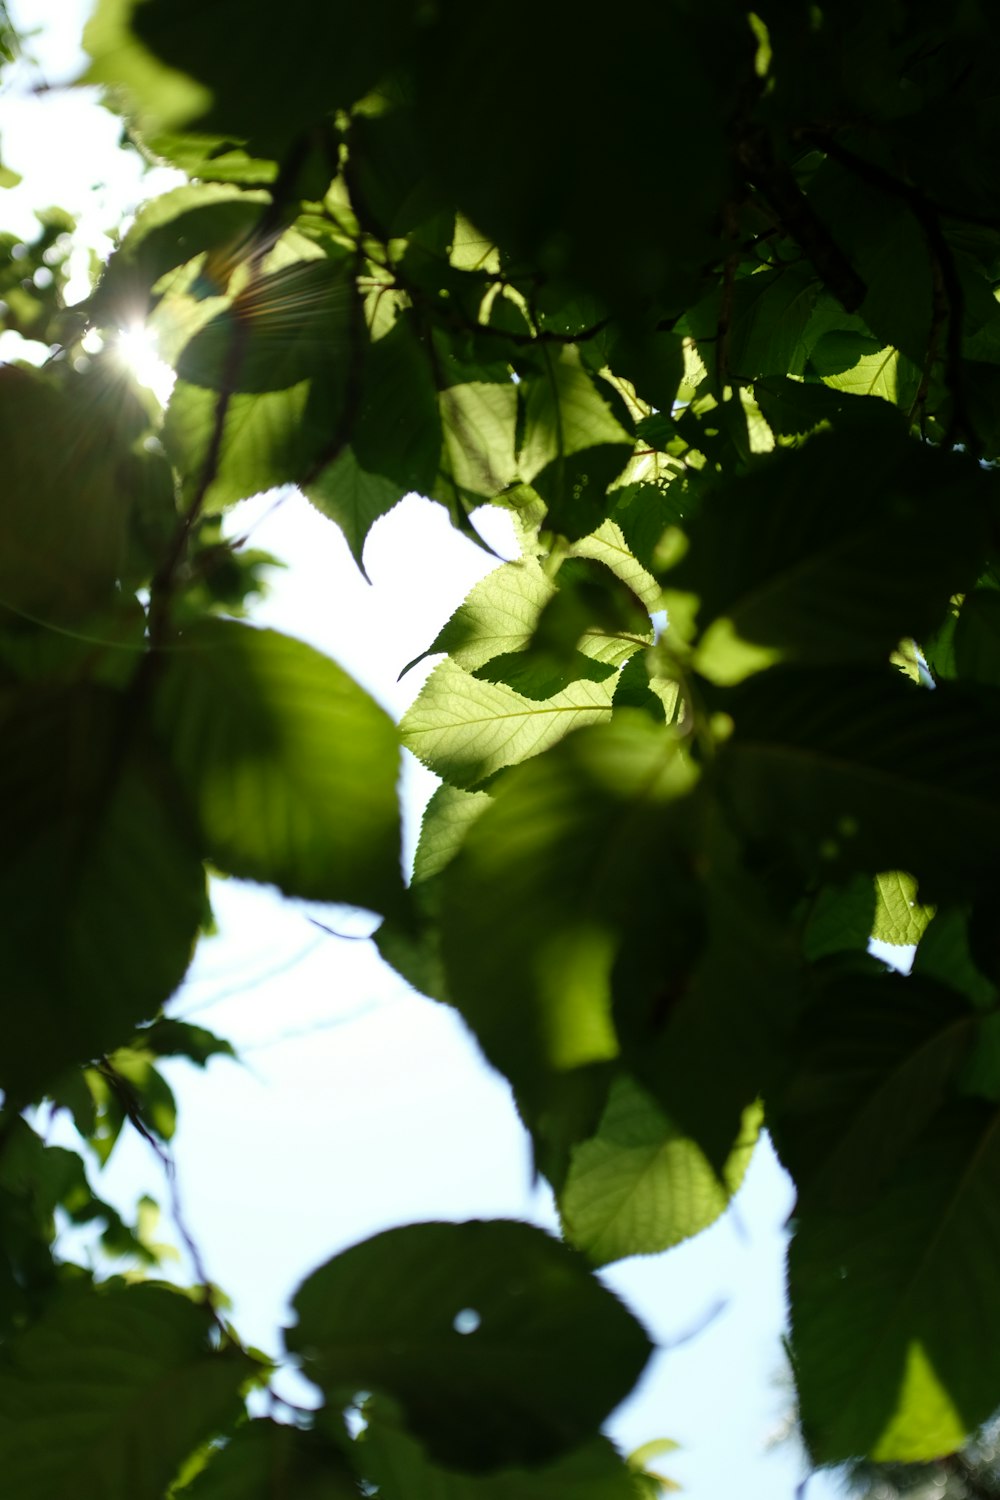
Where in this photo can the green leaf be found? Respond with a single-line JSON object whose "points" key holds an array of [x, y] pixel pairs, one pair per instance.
{"points": [[900, 919], [465, 729], [478, 422], [389, 176], [539, 674], [639, 1185], [893, 1304], [168, 232], [36, 1182], [875, 1058], [860, 769], [640, 514], [352, 497], [842, 578], [291, 767], [499, 615], [288, 326], [767, 321], [64, 508], [860, 366], [560, 222], [267, 1460], [840, 919], [448, 816], [573, 444], [713, 993], [652, 363], [794, 409], [119, 59], [268, 440], [389, 1458], [976, 641], [608, 545], [169, 1037], [263, 386], [416, 954], [888, 247], [548, 881], [591, 603], [109, 1391], [102, 884], [146, 1089], [945, 954], [222, 69], [398, 431], [546, 1354]]}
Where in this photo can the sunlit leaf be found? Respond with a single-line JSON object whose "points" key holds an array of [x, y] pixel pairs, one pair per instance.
{"points": [[168, 232], [478, 421], [465, 729], [640, 1185], [549, 880], [900, 918], [566, 417], [354, 498], [264, 384], [862, 367]]}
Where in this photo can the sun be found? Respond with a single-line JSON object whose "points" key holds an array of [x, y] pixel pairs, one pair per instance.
{"points": [[136, 348]]}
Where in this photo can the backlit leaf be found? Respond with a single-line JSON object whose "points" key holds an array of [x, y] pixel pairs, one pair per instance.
{"points": [[549, 880], [291, 767], [566, 416], [900, 919], [102, 882], [263, 385], [352, 497], [465, 729], [640, 1185]]}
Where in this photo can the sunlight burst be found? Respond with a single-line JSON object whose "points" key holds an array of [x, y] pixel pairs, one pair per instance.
{"points": [[136, 346]]}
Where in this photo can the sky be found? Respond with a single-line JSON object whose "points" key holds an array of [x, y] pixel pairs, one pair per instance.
{"points": [[357, 1104]]}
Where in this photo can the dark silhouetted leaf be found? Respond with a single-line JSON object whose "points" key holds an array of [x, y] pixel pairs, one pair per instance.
{"points": [[498, 1345]]}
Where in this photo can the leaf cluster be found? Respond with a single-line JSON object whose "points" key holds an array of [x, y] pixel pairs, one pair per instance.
{"points": [[726, 346]]}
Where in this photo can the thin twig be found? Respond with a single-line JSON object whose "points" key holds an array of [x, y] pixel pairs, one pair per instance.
{"points": [[777, 186], [125, 1095]]}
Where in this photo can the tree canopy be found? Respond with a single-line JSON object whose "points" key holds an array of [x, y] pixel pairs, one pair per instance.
{"points": [[706, 299]]}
